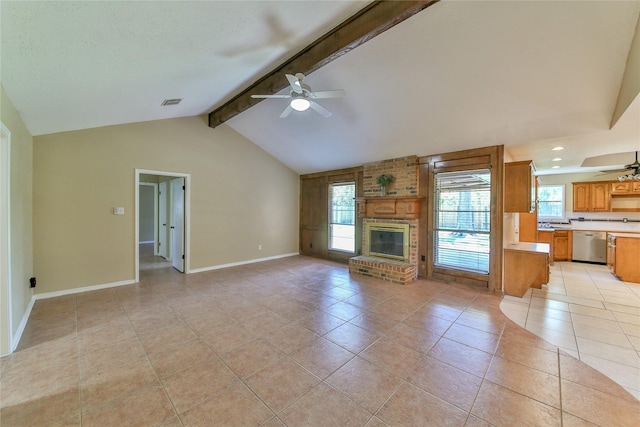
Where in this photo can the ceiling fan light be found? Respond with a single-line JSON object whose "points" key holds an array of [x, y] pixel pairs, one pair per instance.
{"points": [[300, 104]]}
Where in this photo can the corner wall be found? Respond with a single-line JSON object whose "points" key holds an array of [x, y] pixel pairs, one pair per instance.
{"points": [[241, 197], [21, 212]]}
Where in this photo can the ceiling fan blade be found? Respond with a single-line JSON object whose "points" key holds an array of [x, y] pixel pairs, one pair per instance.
{"points": [[271, 96], [338, 93], [286, 112], [320, 109], [294, 82]]}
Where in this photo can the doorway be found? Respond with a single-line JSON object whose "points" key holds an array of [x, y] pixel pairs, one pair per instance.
{"points": [[162, 220]]}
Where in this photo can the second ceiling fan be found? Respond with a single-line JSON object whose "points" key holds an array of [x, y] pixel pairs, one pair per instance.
{"points": [[303, 98]]}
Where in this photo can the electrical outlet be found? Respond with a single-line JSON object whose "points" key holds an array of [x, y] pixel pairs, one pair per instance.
{"points": [[32, 282], [259, 247]]}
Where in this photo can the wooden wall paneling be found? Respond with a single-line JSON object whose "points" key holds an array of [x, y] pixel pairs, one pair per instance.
{"points": [[314, 212]]}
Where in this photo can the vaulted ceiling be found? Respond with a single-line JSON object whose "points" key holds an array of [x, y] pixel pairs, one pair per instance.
{"points": [[460, 74]]}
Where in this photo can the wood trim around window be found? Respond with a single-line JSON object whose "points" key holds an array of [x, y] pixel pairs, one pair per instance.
{"points": [[487, 157]]}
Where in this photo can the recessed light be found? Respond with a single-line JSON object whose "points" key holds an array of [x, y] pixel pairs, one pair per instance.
{"points": [[174, 101], [558, 148], [557, 159], [555, 167]]}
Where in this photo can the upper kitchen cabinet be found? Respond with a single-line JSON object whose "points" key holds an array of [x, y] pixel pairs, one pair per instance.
{"points": [[591, 196], [519, 187], [625, 188]]}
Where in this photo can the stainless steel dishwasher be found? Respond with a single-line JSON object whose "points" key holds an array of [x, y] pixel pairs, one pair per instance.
{"points": [[590, 246]]}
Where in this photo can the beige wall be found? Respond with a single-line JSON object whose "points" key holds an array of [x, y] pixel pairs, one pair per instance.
{"points": [[146, 204], [240, 197], [21, 212]]}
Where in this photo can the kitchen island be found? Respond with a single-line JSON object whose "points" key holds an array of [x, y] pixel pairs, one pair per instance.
{"points": [[526, 265], [623, 256]]}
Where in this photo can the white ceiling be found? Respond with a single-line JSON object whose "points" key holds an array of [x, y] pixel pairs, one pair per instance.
{"points": [[460, 74]]}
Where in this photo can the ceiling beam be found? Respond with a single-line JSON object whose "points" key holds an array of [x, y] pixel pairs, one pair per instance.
{"points": [[371, 21]]}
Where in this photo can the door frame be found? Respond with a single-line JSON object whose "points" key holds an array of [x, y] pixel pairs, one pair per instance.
{"points": [[8, 344], [187, 215]]}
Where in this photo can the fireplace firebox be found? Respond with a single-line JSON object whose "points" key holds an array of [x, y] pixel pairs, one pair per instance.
{"points": [[387, 240]]}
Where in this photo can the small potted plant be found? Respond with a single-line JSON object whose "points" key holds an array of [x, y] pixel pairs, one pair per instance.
{"points": [[384, 180]]}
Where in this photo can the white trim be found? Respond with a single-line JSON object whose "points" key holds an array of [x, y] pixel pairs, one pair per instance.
{"points": [[250, 261], [23, 324], [187, 216], [83, 289], [5, 234]]}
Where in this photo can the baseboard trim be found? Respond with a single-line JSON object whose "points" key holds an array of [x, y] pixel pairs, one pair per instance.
{"points": [[83, 289], [15, 338], [235, 264]]}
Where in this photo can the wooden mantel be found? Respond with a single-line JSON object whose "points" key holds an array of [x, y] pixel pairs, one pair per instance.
{"points": [[389, 207]]}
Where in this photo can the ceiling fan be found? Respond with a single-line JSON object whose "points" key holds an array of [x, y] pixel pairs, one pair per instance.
{"points": [[633, 167], [303, 98]]}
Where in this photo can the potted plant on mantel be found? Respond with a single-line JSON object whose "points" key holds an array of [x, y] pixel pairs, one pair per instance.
{"points": [[384, 180]]}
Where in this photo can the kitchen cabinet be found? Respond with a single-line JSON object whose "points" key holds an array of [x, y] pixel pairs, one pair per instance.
{"points": [[526, 265], [622, 256], [519, 187], [547, 236], [625, 188], [562, 244], [591, 196]]}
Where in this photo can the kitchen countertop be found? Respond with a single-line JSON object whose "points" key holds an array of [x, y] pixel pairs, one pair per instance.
{"points": [[633, 235], [528, 247]]}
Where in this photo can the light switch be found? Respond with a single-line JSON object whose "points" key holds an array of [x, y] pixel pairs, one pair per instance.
{"points": [[118, 211]]}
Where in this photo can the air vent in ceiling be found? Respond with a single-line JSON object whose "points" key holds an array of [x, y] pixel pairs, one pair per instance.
{"points": [[175, 101]]}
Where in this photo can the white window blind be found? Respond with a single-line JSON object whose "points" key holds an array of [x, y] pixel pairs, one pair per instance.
{"points": [[462, 220], [342, 217]]}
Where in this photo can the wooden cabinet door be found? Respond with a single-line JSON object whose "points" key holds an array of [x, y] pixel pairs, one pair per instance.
{"points": [[635, 187], [561, 248], [528, 227], [620, 188], [519, 188], [600, 197], [581, 197]]}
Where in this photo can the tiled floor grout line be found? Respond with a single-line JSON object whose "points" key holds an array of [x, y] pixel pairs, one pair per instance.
{"points": [[560, 388]]}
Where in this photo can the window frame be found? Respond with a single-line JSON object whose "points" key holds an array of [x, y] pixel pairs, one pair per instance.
{"points": [[330, 222], [562, 202]]}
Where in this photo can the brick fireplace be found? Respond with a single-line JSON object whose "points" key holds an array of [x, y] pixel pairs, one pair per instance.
{"points": [[396, 212]]}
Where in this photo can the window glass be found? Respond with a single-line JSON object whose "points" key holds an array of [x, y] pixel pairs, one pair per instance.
{"points": [[462, 220], [551, 201], [342, 217]]}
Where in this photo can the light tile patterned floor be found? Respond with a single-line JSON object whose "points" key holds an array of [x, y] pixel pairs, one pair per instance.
{"points": [[589, 314], [296, 342]]}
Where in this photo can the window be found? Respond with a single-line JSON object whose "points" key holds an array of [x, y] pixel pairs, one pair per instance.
{"points": [[342, 217], [462, 220], [551, 201]]}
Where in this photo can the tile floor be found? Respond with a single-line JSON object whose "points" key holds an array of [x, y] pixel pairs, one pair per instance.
{"points": [[295, 342], [588, 313]]}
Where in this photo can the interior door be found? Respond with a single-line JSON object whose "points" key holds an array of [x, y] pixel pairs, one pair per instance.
{"points": [[177, 224], [163, 245]]}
